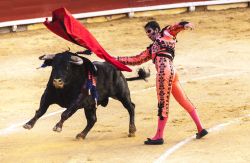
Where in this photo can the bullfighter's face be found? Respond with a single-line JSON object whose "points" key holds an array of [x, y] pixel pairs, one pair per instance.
{"points": [[151, 33]]}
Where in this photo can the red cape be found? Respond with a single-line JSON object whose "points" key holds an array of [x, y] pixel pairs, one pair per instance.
{"points": [[66, 26]]}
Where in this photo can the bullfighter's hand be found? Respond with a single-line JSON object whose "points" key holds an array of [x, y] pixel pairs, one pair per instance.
{"points": [[189, 26]]}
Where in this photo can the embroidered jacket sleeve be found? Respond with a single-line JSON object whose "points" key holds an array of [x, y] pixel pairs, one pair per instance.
{"points": [[176, 28], [136, 60]]}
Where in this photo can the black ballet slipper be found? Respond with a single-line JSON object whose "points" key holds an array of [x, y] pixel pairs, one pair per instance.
{"points": [[154, 142], [201, 134]]}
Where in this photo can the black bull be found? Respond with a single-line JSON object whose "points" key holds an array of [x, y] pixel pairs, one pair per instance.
{"points": [[66, 87]]}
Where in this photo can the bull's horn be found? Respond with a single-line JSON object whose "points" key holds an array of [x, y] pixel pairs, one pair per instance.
{"points": [[45, 57], [76, 60]]}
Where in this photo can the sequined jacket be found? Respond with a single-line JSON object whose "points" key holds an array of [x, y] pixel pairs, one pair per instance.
{"points": [[162, 46]]}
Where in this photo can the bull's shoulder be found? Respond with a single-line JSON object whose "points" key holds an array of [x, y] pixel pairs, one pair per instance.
{"points": [[107, 69], [104, 65]]}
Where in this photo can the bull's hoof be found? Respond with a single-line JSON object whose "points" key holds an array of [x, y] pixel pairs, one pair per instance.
{"points": [[27, 126], [132, 130], [57, 129], [80, 136], [131, 135]]}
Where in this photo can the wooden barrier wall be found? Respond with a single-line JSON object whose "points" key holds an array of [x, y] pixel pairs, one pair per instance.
{"points": [[27, 9]]}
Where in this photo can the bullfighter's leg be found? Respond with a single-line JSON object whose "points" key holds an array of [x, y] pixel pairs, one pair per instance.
{"points": [[64, 116], [130, 106], [164, 80], [44, 104], [183, 100], [90, 114]]}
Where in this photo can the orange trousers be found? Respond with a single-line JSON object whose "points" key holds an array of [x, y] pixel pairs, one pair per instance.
{"points": [[167, 82]]}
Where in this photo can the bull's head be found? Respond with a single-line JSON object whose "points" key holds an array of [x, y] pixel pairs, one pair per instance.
{"points": [[63, 67]]}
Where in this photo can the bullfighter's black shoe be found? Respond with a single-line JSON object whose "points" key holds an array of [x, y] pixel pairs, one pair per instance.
{"points": [[154, 142], [201, 134]]}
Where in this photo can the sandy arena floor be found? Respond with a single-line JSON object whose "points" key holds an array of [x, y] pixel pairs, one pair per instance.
{"points": [[213, 62]]}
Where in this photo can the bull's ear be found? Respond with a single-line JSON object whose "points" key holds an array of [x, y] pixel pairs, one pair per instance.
{"points": [[47, 63]]}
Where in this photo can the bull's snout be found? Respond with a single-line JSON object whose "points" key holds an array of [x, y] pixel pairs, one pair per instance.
{"points": [[58, 83]]}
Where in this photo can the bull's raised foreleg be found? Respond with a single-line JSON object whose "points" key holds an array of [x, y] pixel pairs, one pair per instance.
{"points": [[91, 120], [68, 113], [44, 104], [65, 115], [127, 103]]}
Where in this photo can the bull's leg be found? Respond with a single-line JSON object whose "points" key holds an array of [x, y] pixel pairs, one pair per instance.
{"points": [[65, 115], [44, 104], [91, 120], [69, 112], [127, 103]]}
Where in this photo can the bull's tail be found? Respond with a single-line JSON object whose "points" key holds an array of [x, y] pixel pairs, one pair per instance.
{"points": [[142, 75]]}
